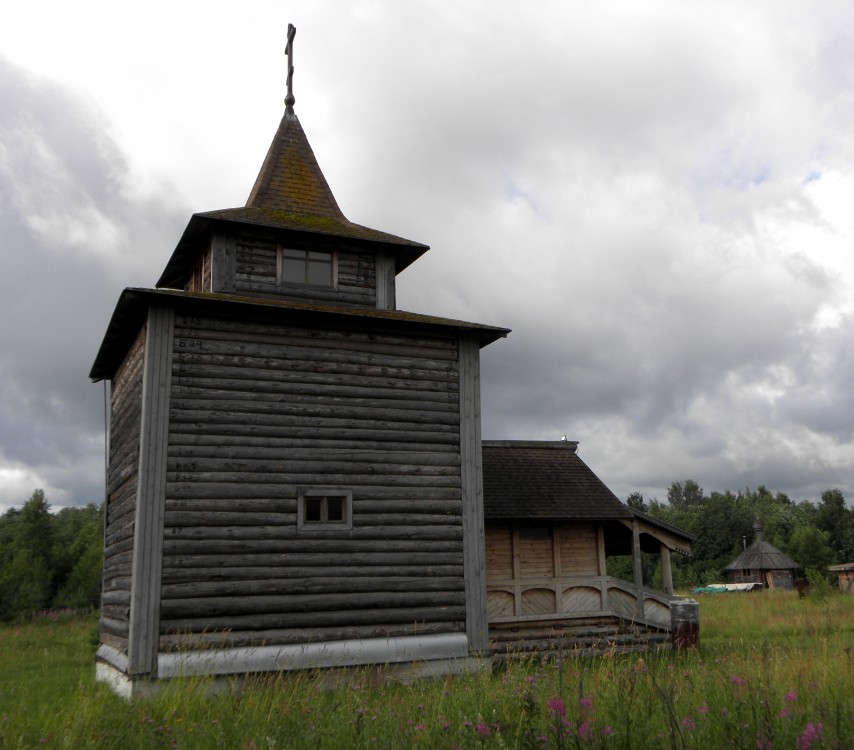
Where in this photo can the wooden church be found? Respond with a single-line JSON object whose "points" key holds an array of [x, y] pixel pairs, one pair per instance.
{"points": [[294, 465]]}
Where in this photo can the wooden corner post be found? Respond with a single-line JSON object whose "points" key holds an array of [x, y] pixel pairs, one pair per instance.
{"points": [[144, 625], [471, 469]]}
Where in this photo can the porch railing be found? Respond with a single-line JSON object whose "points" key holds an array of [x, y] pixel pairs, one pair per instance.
{"points": [[529, 599]]}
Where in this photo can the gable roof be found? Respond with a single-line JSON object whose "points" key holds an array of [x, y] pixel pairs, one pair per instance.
{"points": [[544, 481], [762, 556]]}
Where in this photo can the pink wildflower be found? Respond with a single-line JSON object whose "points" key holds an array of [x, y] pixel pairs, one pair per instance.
{"points": [[791, 696], [585, 702], [556, 707], [483, 730], [783, 714], [419, 727], [736, 680], [607, 731], [812, 733], [584, 731], [704, 709], [688, 722]]}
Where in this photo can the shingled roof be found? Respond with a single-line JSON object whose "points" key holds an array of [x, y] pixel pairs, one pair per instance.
{"points": [[544, 481], [290, 194], [762, 556]]}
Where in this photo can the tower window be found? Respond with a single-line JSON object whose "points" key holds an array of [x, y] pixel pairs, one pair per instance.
{"points": [[306, 267]]}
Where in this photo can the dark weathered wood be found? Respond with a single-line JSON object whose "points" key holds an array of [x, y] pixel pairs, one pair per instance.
{"points": [[330, 585], [281, 575], [341, 541], [148, 528], [350, 617], [236, 639], [318, 559], [471, 463]]}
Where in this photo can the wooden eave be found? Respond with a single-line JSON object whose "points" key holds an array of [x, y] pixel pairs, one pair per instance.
{"points": [[667, 534], [290, 226], [129, 316]]}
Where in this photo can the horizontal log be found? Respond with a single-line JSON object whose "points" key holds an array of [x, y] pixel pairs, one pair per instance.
{"points": [[235, 639], [242, 518], [271, 491], [118, 582], [309, 423], [331, 440], [187, 574], [350, 618], [329, 586], [113, 626], [375, 337], [414, 539], [328, 465], [308, 559], [117, 597], [279, 404], [328, 478], [353, 455], [366, 373], [202, 518]]}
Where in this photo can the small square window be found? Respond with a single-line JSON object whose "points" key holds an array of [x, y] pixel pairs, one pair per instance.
{"points": [[324, 508]]}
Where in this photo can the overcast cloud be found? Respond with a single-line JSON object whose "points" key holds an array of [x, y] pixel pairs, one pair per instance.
{"points": [[656, 198]]}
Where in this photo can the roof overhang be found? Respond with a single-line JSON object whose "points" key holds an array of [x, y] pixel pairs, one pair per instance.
{"points": [[131, 309], [289, 226]]}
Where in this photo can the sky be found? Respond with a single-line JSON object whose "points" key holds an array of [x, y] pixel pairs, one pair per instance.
{"points": [[655, 197]]}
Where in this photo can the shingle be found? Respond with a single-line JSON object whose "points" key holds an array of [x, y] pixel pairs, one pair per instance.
{"points": [[545, 481]]}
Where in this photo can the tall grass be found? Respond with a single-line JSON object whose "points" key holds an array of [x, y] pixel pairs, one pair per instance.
{"points": [[773, 671]]}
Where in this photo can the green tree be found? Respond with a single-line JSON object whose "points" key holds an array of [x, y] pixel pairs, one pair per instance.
{"points": [[809, 549], [837, 522], [636, 501]]}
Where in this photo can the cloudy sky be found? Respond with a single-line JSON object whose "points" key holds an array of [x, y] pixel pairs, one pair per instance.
{"points": [[656, 197]]}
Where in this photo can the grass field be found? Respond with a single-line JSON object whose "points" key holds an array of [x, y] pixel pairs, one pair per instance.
{"points": [[773, 671]]}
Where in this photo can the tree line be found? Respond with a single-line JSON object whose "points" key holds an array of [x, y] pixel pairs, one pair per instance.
{"points": [[49, 560], [54, 560], [813, 535]]}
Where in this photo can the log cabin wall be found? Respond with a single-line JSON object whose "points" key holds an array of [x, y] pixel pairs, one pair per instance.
{"points": [[122, 485], [261, 410], [256, 273]]}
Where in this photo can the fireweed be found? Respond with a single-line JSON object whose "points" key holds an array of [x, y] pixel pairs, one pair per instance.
{"points": [[765, 689]]}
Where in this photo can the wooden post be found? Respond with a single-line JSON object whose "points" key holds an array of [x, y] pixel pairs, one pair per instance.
{"points": [[603, 563], [471, 469], [638, 568], [666, 574], [144, 621]]}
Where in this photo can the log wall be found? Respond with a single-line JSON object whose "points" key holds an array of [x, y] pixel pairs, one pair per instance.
{"points": [[259, 410], [122, 485], [256, 273]]}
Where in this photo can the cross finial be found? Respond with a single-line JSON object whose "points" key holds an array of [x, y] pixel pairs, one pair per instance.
{"points": [[289, 51]]}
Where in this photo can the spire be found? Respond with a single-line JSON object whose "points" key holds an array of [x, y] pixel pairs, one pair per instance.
{"points": [[290, 178]]}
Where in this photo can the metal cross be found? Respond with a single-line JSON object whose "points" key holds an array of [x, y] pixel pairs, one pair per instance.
{"points": [[289, 51]]}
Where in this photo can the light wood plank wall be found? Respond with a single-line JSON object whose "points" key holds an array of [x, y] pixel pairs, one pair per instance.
{"points": [[577, 552], [259, 410]]}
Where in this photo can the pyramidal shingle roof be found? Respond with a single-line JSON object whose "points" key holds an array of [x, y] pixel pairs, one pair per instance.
{"points": [[290, 178], [762, 556], [290, 194]]}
